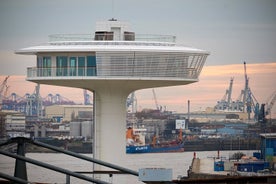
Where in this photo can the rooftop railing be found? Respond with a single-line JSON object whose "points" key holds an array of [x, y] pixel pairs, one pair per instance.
{"points": [[109, 37]]}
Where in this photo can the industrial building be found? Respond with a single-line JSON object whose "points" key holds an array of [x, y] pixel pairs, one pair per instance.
{"points": [[268, 148], [81, 129], [69, 113], [12, 124]]}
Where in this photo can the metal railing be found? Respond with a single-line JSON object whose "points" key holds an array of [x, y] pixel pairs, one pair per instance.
{"points": [[187, 73], [20, 174], [92, 37]]}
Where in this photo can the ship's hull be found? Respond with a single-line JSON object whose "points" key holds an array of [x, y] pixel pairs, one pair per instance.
{"points": [[156, 149]]}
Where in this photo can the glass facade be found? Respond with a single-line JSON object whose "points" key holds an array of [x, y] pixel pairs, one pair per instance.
{"points": [[66, 65], [44, 64], [121, 64], [81, 66], [62, 66], [91, 65], [73, 66]]}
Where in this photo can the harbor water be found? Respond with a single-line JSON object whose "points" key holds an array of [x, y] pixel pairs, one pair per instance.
{"points": [[178, 162]]}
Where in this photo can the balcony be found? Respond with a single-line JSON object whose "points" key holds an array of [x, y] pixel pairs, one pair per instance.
{"points": [[124, 73]]}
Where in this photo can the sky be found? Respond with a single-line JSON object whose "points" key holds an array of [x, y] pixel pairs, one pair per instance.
{"points": [[232, 31]]}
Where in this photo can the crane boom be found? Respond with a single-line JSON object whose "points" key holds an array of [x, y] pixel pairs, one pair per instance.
{"points": [[245, 91], [155, 99], [271, 103], [230, 90], [2, 88]]}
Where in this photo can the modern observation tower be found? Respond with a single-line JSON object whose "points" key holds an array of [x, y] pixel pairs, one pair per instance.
{"points": [[112, 63]]}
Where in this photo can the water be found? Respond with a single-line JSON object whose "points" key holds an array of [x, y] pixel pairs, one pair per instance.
{"points": [[179, 162]]}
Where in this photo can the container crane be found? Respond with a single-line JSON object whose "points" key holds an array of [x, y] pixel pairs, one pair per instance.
{"points": [[229, 91], [3, 90], [226, 100], [155, 99], [86, 97], [34, 103], [132, 101], [270, 102], [248, 99]]}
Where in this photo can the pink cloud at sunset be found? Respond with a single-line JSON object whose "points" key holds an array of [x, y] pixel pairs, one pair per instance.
{"points": [[212, 85]]}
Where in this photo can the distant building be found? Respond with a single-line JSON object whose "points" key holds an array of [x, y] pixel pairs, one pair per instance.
{"points": [[268, 147], [61, 130], [13, 124], [2, 125], [69, 112], [229, 131], [83, 129]]}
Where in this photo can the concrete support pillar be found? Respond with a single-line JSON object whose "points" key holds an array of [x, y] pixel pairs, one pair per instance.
{"points": [[110, 125]]}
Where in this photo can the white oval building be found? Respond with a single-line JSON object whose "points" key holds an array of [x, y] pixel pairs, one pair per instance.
{"points": [[112, 63]]}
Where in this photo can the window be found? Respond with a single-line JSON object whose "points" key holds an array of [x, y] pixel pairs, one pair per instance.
{"points": [[61, 66], [91, 66], [39, 64], [72, 66], [44, 66], [81, 66], [47, 66]]}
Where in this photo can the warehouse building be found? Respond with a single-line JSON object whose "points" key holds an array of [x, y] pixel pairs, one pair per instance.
{"points": [[67, 113]]}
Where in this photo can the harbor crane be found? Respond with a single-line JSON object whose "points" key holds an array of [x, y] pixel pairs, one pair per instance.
{"points": [[155, 99], [86, 97], [227, 98], [270, 102], [132, 102], [248, 98], [246, 101], [3, 90]]}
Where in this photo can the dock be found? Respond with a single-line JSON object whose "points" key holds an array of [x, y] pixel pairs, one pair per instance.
{"points": [[204, 171]]}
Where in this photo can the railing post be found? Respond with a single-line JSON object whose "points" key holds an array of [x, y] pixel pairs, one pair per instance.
{"points": [[67, 179], [20, 170]]}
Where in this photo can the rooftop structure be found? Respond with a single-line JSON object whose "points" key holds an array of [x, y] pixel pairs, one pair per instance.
{"points": [[113, 63]]}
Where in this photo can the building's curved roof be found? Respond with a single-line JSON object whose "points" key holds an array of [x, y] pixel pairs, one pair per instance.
{"points": [[116, 46]]}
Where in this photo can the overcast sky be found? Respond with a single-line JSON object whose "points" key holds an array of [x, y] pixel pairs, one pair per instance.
{"points": [[233, 31]]}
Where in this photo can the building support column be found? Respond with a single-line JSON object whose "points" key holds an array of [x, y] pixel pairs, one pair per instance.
{"points": [[109, 142]]}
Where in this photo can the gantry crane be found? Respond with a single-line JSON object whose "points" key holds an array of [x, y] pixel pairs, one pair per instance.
{"points": [[155, 100], [3, 90], [248, 99], [270, 102], [132, 101], [87, 97], [225, 103]]}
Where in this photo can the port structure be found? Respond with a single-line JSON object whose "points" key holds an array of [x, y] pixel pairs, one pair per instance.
{"points": [[112, 63]]}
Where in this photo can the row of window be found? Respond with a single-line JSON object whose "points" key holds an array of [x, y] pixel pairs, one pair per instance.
{"points": [[67, 66], [141, 64]]}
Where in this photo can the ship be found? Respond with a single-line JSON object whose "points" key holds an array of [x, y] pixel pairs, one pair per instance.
{"points": [[135, 143]]}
